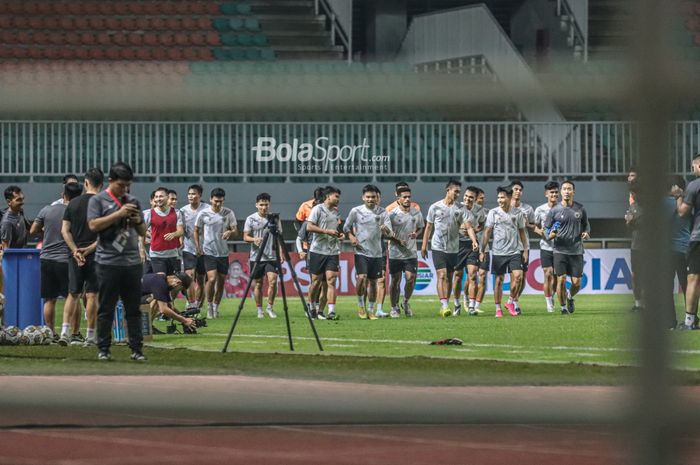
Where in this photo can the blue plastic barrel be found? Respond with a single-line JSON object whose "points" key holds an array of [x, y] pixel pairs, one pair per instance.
{"points": [[22, 283]]}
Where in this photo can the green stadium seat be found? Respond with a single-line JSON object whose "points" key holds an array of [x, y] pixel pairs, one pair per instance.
{"points": [[229, 38], [245, 39], [252, 54], [236, 9], [260, 40], [220, 54], [252, 24], [235, 24], [221, 24]]}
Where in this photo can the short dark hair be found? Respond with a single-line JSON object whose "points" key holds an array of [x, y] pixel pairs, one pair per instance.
{"points": [[330, 190], [95, 177], [403, 189], [505, 189], [633, 169], [567, 181], [473, 189], [453, 182], [370, 188], [196, 187], [121, 171], [69, 178], [217, 192], [171, 192], [10, 192], [153, 194], [72, 190], [319, 195], [479, 191], [399, 185], [676, 180], [161, 189], [184, 278], [551, 185], [517, 182], [263, 196]]}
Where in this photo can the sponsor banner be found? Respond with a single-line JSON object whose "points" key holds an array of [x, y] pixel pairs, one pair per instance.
{"points": [[605, 271]]}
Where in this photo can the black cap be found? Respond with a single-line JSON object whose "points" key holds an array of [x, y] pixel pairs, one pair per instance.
{"points": [[186, 280]]}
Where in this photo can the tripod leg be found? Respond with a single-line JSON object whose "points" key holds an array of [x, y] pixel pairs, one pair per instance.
{"points": [[295, 280], [247, 290], [280, 281]]}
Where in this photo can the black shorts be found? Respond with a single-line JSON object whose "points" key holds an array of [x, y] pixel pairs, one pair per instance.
{"points": [[466, 256], [83, 278], [486, 264], [167, 266], [372, 267], [218, 264], [147, 267], [547, 258], [191, 261], [502, 264], [444, 260], [319, 263], [693, 257], [262, 269], [568, 265], [54, 279], [406, 265]]}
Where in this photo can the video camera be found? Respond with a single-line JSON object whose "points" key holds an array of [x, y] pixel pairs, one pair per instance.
{"points": [[189, 313]]}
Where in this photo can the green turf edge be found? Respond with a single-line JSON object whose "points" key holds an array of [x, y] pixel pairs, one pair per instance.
{"points": [[416, 371]]}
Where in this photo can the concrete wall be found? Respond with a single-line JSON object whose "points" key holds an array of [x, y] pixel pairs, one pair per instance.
{"points": [[531, 17]]}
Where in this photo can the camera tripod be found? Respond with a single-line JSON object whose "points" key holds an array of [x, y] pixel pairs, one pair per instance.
{"points": [[272, 233]]}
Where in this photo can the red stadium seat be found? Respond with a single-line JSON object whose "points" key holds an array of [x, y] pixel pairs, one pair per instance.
{"points": [[189, 24], [174, 54], [181, 38], [97, 53], [160, 54], [36, 53], [106, 8], [91, 8], [53, 53], [120, 38], [103, 38], [41, 37], [182, 8], [51, 22], [150, 39], [20, 52], [72, 38], [144, 54], [75, 8], [197, 8], [204, 24], [87, 38], [128, 23], [135, 7], [158, 23], [8, 37], [24, 37], [190, 54], [135, 39], [212, 8], [15, 8], [5, 22], [213, 38], [166, 39], [143, 24], [96, 23], [697, 8], [81, 23], [45, 8], [31, 8], [128, 54], [57, 38], [81, 53], [151, 8], [205, 54], [112, 24], [112, 53], [197, 38], [173, 24], [66, 23], [20, 22], [121, 8], [36, 22]]}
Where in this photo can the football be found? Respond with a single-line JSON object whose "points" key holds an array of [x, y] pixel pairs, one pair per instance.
{"points": [[12, 335], [31, 335]]}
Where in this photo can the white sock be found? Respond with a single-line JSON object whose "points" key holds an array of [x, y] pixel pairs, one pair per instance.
{"points": [[316, 306], [568, 294], [65, 329], [550, 302], [510, 300], [394, 309], [689, 319], [456, 302], [380, 306], [269, 305], [259, 308], [498, 307], [370, 306], [361, 301], [331, 308], [563, 307], [637, 303], [472, 302], [477, 305], [90, 333], [444, 303], [516, 303], [210, 305], [215, 307]]}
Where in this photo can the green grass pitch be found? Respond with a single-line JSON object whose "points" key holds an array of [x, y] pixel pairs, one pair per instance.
{"points": [[594, 345]]}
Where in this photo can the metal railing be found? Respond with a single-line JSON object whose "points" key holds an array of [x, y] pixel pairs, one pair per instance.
{"points": [[364, 149], [339, 13], [576, 16]]}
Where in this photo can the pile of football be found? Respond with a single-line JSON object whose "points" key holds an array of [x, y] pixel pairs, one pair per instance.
{"points": [[31, 335]]}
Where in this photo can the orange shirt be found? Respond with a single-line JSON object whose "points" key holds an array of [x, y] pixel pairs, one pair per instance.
{"points": [[305, 210], [395, 204]]}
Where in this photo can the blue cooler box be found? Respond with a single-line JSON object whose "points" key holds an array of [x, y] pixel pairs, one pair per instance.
{"points": [[22, 284]]}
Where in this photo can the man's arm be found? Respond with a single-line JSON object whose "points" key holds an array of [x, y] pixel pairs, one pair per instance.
{"points": [[426, 237], [195, 239], [526, 245], [127, 210], [36, 229], [165, 309], [484, 242]]}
